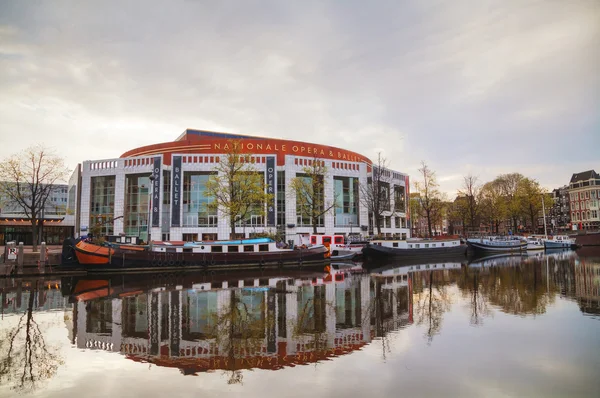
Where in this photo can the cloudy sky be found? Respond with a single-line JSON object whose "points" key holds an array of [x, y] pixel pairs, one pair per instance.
{"points": [[486, 87]]}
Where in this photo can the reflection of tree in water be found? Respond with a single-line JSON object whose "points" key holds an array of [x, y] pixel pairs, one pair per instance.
{"points": [[431, 301], [25, 358], [240, 330], [518, 290], [469, 284]]}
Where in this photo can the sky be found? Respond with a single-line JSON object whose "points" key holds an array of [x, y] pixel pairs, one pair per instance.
{"points": [[481, 87]]}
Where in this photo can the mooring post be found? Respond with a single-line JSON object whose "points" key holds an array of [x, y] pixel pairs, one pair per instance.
{"points": [[43, 258], [20, 258]]}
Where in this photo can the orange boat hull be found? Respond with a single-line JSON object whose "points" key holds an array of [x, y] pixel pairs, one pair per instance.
{"points": [[88, 253]]}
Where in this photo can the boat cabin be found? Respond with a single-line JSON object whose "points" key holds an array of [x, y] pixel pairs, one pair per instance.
{"points": [[233, 246]]}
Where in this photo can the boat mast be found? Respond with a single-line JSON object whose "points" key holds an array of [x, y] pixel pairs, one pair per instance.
{"points": [[544, 214]]}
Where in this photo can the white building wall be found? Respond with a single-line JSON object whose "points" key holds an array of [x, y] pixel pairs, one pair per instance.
{"points": [[120, 168]]}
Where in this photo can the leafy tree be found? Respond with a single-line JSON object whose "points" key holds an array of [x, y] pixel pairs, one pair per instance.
{"points": [[309, 190], [430, 198], [375, 196], [493, 206], [28, 179], [509, 185], [237, 187], [531, 194]]}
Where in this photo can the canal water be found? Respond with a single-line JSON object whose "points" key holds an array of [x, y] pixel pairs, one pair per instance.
{"points": [[522, 326]]}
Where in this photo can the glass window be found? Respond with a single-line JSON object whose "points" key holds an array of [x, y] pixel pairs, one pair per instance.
{"points": [[345, 191], [102, 203], [195, 201], [137, 205], [399, 199]]}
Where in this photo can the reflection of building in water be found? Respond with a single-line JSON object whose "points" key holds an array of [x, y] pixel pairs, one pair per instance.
{"points": [[15, 296], [587, 286], [265, 323]]}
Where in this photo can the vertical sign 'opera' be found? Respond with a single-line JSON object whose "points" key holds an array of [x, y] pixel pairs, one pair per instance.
{"points": [[156, 192], [271, 190], [176, 192]]}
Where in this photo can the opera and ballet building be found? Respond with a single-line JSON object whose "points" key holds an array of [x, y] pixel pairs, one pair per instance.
{"points": [[120, 196]]}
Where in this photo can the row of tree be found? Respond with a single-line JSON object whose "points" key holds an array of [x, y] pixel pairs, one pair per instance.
{"points": [[510, 200]]}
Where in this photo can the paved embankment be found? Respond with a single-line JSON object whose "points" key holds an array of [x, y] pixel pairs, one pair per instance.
{"points": [[31, 264]]}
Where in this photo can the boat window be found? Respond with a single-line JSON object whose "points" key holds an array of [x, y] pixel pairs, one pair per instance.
{"points": [[233, 249], [339, 240], [426, 244], [418, 245], [216, 249], [263, 248], [326, 240], [248, 248], [410, 246], [171, 250], [187, 250], [395, 244], [313, 240], [443, 244]]}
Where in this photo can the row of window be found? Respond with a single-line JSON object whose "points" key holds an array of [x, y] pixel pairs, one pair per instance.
{"points": [[585, 195], [584, 216], [584, 205]]}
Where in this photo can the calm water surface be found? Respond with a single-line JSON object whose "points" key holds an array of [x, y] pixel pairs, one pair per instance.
{"points": [[520, 326]]}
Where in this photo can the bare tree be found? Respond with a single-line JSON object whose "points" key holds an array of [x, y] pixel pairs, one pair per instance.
{"points": [[28, 179], [309, 190], [470, 191], [429, 196], [238, 187], [375, 196]]}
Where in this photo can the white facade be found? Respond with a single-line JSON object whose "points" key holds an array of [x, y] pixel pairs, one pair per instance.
{"points": [[120, 168]]}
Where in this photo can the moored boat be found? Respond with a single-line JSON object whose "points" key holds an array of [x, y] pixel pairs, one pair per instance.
{"points": [[560, 242], [413, 248], [535, 243], [233, 254], [497, 244]]}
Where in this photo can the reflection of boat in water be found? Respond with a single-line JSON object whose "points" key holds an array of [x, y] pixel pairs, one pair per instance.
{"points": [[391, 270], [200, 322], [501, 259]]}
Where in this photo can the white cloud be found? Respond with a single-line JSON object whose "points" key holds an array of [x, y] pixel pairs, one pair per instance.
{"points": [[498, 86]]}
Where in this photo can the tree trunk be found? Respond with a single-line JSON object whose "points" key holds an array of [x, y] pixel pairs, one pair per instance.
{"points": [[232, 225], [429, 224], [34, 233]]}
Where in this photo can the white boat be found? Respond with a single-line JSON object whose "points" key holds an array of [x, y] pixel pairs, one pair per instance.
{"points": [[560, 242], [339, 247], [497, 244], [535, 243]]}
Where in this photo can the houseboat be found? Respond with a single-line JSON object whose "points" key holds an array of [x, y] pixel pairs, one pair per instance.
{"points": [[497, 244], [560, 242], [413, 248], [232, 254]]}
